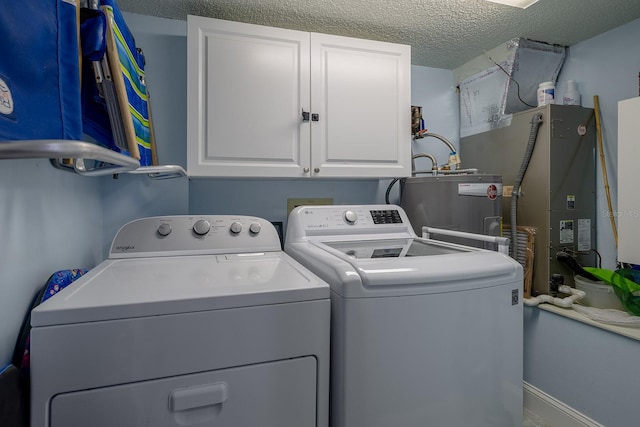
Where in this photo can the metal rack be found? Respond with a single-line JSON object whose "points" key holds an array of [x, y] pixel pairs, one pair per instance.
{"points": [[102, 161]]}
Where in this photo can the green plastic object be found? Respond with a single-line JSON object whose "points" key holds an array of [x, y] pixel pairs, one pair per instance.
{"points": [[625, 282]]}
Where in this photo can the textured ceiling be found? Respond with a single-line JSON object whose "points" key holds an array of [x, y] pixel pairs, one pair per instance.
{"points": [[442, 33]]}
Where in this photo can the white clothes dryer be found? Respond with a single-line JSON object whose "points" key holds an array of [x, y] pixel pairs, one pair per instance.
{"points": [[191, 321], [423, 333]]}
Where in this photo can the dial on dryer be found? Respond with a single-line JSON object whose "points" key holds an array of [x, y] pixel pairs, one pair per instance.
{"points": [[201, 227], [164, 229]]}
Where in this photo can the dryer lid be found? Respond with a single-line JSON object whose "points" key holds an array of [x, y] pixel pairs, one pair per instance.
{"points": [[126, 288]]}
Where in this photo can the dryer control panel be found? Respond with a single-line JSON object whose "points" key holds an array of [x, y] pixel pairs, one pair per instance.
{"points": [[194, 235], [348, 219]]}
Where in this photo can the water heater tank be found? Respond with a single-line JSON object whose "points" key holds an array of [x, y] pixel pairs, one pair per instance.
{"points": [[470, 203]]}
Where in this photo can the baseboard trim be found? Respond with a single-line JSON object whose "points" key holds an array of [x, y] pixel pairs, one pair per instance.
{"points": [[552, 410]]}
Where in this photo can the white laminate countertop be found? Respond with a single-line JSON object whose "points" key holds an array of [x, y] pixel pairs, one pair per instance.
{"points": [[630, 332]]}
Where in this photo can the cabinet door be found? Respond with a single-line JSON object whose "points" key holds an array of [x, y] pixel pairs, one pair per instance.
{"points": [[247, 87], [361, 91]]}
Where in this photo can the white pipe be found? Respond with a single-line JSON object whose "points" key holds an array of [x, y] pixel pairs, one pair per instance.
{"points": [[469, 171], [502, 242], [576, 294], [458, 171]]}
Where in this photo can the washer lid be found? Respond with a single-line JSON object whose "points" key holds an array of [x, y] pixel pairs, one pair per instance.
{"points": [[393, 248], [125, 288], [404, 266]]}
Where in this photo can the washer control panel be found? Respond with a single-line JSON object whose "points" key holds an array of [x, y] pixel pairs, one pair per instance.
{"points": [[356, 219], [184, 234], [386, 216]]}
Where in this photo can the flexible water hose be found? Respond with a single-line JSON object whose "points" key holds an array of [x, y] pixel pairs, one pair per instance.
{"points": [[536, 121], [454, 158], [576, 294], [441, 138], [434, 162], [469, 171], [434, 171]]}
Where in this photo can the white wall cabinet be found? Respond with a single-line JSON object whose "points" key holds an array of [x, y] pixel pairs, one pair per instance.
{"points": [[249, 85], [628, 214]]}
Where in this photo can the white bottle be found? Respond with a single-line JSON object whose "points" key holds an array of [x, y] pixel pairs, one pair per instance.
{"points": [[572, 96], [546, 93]]}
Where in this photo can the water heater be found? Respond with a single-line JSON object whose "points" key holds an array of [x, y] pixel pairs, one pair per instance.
{"points": [[466, 202]]}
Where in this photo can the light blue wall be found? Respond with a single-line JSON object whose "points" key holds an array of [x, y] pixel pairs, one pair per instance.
{"points": [[49, 220], [592, 370], [435, 91]]}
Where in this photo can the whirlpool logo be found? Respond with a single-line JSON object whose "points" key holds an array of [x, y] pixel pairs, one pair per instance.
{"points": [[125, 248]]}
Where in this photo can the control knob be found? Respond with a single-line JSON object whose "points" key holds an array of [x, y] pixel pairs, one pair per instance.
{"points": [[201, 227], [350, 217], [164, 229], [236, 227], [255, 227]]}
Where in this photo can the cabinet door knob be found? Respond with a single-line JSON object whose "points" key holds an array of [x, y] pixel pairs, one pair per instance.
{"points": [[305, 116], [316, 170], [315, 117], [305, 170]]}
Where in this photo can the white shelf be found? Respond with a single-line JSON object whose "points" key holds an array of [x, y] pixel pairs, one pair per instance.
{"points": [[105, 161], [627, 331]]}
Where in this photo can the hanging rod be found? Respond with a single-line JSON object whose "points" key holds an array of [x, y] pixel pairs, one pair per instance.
{"points": [[109, 162], [55, 149]]}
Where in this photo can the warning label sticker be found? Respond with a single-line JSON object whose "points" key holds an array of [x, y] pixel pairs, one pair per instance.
{"points": [[490, 190], [584, 234], [566, 231]]}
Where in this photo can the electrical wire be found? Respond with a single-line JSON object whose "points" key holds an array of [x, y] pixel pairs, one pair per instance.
{"points": [[599, 257], [386, 196], [576, 253], [510, 79]]}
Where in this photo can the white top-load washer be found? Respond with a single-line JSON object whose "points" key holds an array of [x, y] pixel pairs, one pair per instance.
{"points": [[191, 321], [423, 333]]}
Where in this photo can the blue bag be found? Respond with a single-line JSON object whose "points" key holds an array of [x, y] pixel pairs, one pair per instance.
{"points": [[56, 282], [39, 72]]}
